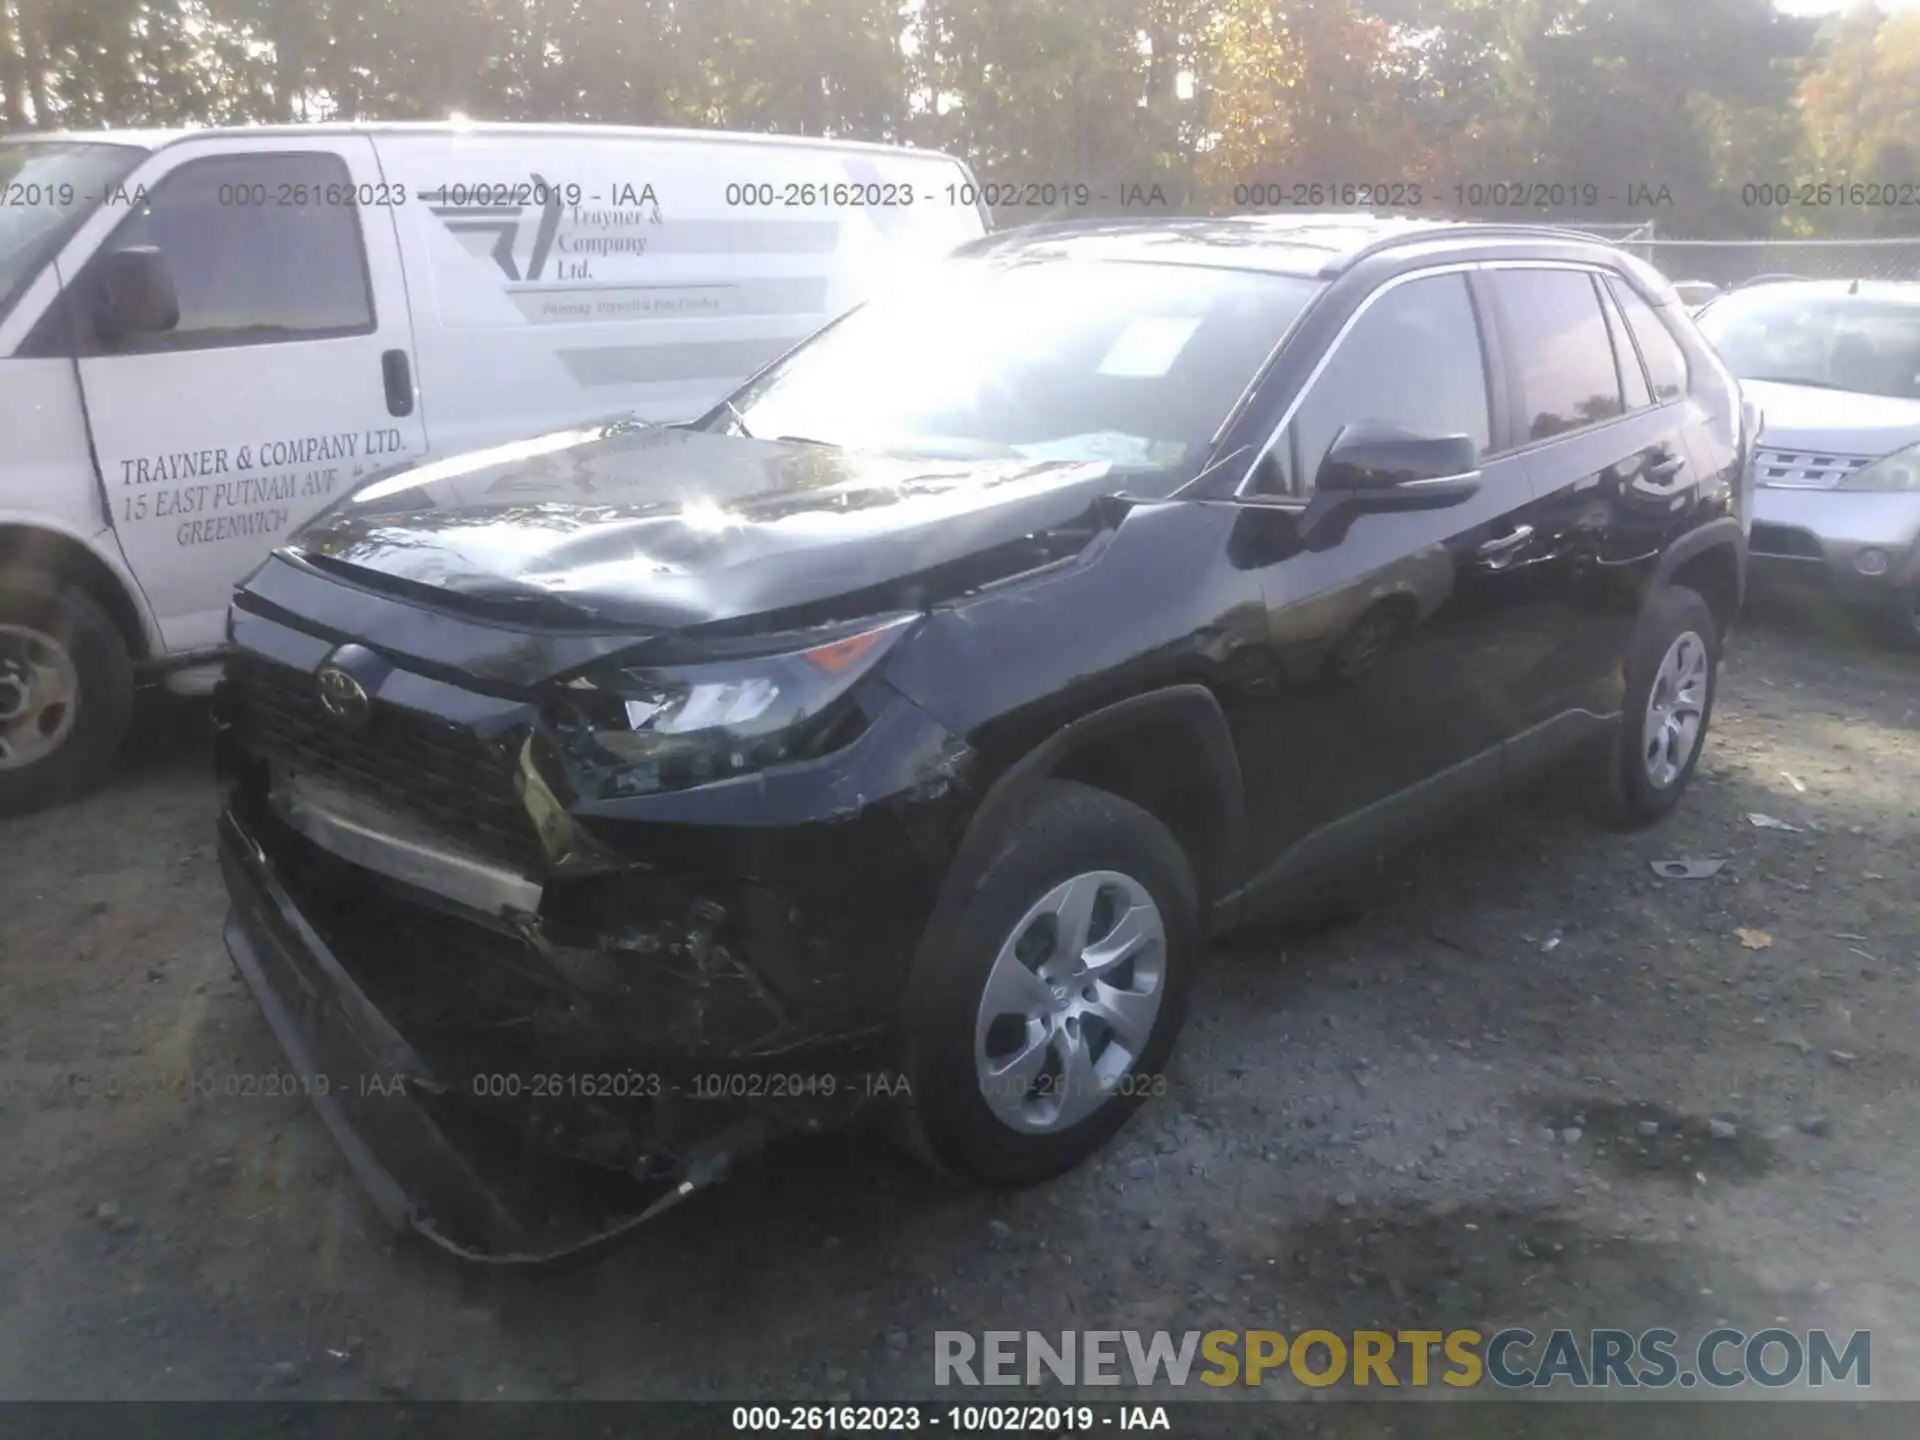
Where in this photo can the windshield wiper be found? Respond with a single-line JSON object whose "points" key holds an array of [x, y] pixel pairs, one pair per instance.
{"points": [[739, 420], [808, 440]]}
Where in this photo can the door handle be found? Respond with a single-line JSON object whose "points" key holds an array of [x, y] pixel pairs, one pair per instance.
{"points": [[398, 375], [1504, 547]]}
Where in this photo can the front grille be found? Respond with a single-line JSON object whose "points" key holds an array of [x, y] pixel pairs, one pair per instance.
{"points": [[1805, 469], [1784, 540], [432, 769]]}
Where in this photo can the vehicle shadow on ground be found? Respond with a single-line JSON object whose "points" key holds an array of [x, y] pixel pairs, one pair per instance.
{"points": [[1799, 613], [170, 735], [844, 1240], [1521, 918], [1515, 939]]}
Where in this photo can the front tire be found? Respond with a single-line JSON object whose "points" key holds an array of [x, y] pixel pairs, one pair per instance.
{"points": [[66, 692], [1672, 674], [1045, 1015]]}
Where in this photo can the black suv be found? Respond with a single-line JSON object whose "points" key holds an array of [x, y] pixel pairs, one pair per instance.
{"points": [[891, 739]]}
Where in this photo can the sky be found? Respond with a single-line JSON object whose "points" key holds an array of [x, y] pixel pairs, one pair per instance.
{"points": [[1827, 7]]}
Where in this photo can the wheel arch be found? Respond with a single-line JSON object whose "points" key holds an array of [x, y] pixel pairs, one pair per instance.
{"points": [[1711, 561], [39, 550], [1168, 750]]}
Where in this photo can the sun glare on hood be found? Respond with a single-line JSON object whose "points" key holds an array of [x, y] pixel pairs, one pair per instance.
{"points": [[704, 517], [467, 464]]}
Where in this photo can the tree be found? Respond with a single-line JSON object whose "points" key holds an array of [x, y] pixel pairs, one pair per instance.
{"points": [[13, 70], [1861, 109], [1196, 96], [1312, 91]]}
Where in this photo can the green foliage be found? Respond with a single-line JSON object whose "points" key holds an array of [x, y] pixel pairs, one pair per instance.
{"points": [[1689, 100]]}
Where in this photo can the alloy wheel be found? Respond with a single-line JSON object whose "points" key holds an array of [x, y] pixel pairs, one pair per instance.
{"points": [[1676, 706], [1070, 1002]]}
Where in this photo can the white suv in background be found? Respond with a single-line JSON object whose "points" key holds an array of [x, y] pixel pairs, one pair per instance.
{"points": [[1835, 367]]}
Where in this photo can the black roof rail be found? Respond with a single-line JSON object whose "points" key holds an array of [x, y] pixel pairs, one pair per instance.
{"points": [[1468, 230], [1398, 229]]}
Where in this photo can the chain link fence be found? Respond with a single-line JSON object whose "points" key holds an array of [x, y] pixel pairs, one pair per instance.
{"points": [[1733, 262], [1728, 262]]}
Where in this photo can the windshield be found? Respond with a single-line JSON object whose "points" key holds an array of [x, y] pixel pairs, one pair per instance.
{"points": [[1133, 363], [47, 187], [1836, 342]]}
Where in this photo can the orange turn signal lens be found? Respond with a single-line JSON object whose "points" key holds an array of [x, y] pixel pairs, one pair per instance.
{"points": [[840, 656]]}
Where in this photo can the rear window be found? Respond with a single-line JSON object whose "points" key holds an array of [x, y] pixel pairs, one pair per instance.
{"points": [[1561, 350], [1666, 361]]}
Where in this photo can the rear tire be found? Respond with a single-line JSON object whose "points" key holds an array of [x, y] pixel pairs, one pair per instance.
{"points": [[66, 692], [1026, 1050], [1672, 674]]}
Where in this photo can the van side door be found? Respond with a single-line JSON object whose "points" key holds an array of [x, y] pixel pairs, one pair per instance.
{"points": [[245, 354], [560, 278]]}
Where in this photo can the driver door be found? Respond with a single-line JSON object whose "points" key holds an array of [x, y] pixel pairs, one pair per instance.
{"points": [[1393, 636], [288, 375]]}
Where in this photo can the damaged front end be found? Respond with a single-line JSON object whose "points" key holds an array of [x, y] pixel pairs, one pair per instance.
{"points": [[544, 974]]}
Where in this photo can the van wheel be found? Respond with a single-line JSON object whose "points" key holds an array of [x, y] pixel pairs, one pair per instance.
{"points": [[1672, 670], [66, 692], [1044, 1016]]}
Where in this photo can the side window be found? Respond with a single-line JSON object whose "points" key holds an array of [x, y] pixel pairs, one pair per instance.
{"points": [[1666, 361], [260, 250], [1413, 359], [1633, 380], [1561, 352]]}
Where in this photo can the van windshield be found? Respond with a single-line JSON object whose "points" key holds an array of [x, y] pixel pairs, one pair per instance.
{"points": [[1133, 363], [47, 188]]}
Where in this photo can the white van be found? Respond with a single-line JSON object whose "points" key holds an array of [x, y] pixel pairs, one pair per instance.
{"points": [[207, 336]]}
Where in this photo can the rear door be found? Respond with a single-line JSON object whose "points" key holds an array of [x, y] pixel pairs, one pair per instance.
{"points": [[1607, 460], [288, 376]]}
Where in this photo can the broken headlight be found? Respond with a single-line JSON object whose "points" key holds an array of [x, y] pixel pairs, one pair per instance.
{"points": [[670, 727]]}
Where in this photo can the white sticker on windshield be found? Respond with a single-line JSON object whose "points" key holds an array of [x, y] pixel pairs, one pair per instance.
{"points": [[1110, 446], [1148, 346]]}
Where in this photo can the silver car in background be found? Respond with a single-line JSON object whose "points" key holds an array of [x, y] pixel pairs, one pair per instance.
{"points": [[1696, 293], [1835, 368]]}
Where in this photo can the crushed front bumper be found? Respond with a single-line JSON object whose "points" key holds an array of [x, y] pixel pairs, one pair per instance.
{"points": [[406, 1136]]}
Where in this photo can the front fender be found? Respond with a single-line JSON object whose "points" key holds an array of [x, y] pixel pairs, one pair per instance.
{"points": [[1192, 707]]}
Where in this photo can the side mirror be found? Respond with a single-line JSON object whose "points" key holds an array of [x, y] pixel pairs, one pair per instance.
{"points": [[135, 294], [1367, 459], [1372, 468]]}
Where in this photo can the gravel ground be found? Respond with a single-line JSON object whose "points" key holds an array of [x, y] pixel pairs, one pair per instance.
{"points": [[1436, 1111]]}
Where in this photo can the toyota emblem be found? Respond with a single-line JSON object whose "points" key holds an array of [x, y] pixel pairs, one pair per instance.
{"points": [[344, 698]]}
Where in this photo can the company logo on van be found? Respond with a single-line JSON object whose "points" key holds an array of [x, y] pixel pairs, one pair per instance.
{"points": [[570, 232], [503, 222]]}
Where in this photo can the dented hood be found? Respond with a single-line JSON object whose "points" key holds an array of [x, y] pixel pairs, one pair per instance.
{"points": [[662, 528]]}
